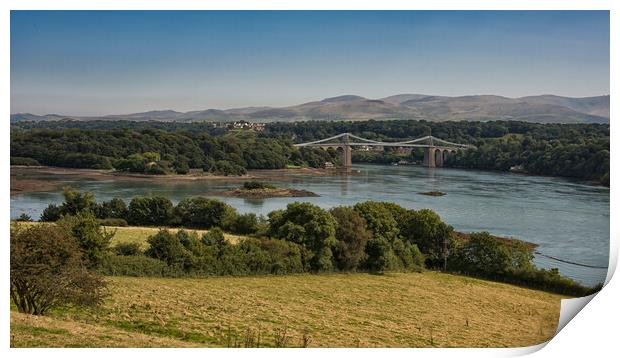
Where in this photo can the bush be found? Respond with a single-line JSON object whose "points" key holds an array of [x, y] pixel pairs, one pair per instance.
{"points": [[128, 249], [147, 211], [90, 236], [23, 217], [138, 266], [379, 255], [214, 236], [245, 224], [226, 168], [115, 208], [51, 213], [76, 201], [168, 248], [181, 167], [352, 237], [484, 255], [254, 185], [204, 213], [47, 270]]}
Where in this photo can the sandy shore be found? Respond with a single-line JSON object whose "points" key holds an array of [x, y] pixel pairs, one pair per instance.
{"points": [[29, 179]]}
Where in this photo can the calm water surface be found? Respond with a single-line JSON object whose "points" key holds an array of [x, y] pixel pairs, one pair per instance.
{"points": [[569, 220]]}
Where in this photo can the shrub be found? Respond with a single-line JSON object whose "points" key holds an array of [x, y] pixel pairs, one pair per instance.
{"points": [[168, 248], [204, 213], [214, 236], [90, 236], [139, 266], [128, 249], [47, 270], [181, 167], [245, 224], [254, 185], [352, 237], [51, 213], [379, 255], [76, 201], [484, 255], [155, 210], [115, 208], [285, 257], [23, 217], [548, 280], [226, 168]]}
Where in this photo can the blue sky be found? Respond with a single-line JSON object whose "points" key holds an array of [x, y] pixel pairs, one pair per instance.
{"points": [[102, 62]]}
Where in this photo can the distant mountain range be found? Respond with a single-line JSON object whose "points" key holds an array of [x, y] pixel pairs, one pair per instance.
{"points": [[542, 109]]}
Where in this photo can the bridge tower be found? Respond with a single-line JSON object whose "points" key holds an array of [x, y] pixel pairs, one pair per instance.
{"points": [[429, 157], [345, 154], [429, 154]]}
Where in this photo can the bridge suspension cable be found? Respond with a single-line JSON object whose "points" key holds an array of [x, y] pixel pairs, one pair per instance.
{"points": [[365, 141]]}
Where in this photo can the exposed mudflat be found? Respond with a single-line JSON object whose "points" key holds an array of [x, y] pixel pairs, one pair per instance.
{"points": [[43, 178]]}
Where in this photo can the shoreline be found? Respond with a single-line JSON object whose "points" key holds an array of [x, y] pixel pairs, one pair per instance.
{"points": [[26, 179]]}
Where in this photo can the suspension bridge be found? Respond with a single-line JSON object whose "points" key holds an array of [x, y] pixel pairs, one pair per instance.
{"points": [[436, 150]]}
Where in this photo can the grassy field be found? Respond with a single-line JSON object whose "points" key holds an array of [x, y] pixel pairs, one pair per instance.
{"points": [[141, 234], [332, 310]]}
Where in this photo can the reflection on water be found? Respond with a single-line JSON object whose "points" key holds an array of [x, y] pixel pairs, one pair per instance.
{"points": [[568, 219]]}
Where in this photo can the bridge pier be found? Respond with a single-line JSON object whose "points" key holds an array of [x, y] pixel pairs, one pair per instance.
{"points": [[345, 157], [429, 157]]}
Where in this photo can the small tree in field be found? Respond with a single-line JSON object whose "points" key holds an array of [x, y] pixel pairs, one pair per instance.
{"points": [[92, 239], [47, 270]]}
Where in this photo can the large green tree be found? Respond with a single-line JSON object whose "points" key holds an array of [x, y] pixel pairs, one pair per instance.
{"points": [[309, 226]]}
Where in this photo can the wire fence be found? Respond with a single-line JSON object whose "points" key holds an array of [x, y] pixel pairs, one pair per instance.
{"points": [[570, 262]]}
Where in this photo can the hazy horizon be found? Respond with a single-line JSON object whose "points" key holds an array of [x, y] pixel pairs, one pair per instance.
{"points": [[90, 63], [292, 104]]}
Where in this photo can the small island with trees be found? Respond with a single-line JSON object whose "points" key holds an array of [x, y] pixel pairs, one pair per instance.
{"points": [[261, 190]]}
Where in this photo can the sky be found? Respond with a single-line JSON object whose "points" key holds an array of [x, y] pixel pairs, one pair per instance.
{"points": [[118, 62]]}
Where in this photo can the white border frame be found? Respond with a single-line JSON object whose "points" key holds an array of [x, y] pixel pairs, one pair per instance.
{"points": [[593, 332]]}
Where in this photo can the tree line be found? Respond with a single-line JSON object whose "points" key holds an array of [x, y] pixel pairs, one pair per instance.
{"points": [[159, 151], [568, 150]]}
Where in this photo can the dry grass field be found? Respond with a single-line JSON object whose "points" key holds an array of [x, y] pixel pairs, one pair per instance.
{"points": [[333, 310], [141, 234]]}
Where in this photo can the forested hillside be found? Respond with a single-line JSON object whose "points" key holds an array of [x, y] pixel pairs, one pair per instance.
{"points": [[158, 151], [570, 150]]}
